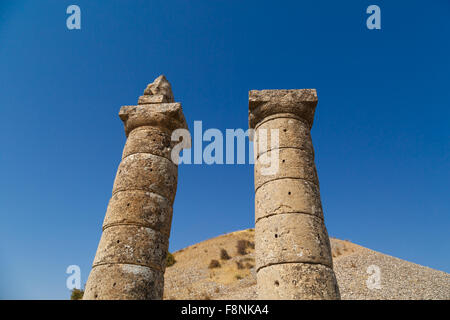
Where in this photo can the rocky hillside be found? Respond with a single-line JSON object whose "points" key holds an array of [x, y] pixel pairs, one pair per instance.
{"points": [[223, 268]]}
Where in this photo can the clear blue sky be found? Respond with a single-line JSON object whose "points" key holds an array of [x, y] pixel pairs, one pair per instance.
{"points": [[381, 132]]}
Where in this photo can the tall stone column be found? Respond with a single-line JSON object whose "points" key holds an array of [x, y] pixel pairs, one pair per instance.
{"points": [[293, 255], [131, 256]]}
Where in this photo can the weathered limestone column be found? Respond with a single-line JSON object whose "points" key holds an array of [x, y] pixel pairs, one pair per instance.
{"points": [[293, 255], [131, 256]]}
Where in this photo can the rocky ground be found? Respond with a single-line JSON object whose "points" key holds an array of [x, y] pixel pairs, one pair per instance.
{"points": [[193, 276]]}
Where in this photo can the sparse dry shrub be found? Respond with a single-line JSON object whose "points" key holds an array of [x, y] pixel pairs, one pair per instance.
{"points": [[247, 259], [170, 259], [337, 252], [224, 254], [238, 277], [336, 249], [214, 264], [241, 247], [239, 265], [206, 296], [77, 294]]}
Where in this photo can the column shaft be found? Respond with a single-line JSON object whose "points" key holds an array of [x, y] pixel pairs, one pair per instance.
{"points": [[131, 256], [293, 255]]}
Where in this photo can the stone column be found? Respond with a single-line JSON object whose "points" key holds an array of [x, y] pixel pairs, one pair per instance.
{"points": [[131, 256], [293, 255]]}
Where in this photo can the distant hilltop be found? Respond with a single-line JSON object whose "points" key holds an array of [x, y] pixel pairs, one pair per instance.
{"points": [[223, 268]]}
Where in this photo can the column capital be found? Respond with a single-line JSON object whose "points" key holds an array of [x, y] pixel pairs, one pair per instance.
{"points": [[167, 116], [264, 103]]}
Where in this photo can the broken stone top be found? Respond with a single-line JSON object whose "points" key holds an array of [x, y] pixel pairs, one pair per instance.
{"points": [[159, 91], [298, 103], [156, 108]]}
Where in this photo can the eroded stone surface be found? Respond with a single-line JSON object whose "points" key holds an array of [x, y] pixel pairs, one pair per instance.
{"points": [[292, 133], [134, 245], [297, 281], [292, 163], [160, 87], [287, 196], [293, 237], [145, 171], [159, 98], [139, 208], [148, 140], [165, 116], [124, 282], [298, 102]]}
